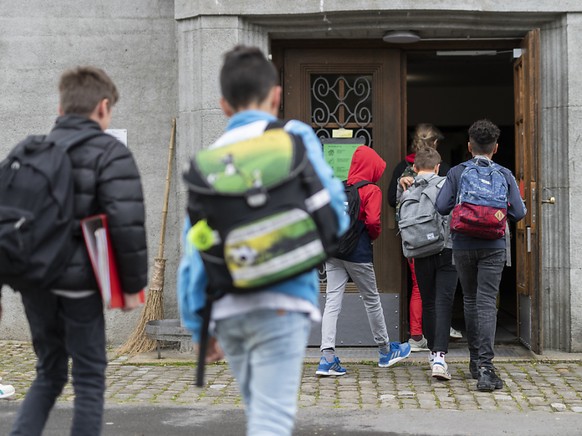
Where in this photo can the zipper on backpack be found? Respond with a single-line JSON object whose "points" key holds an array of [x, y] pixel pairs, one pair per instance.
{"points": [[18, 224]]}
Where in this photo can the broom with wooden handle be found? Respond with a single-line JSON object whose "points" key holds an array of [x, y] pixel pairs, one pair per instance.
{"points": [[138, 342]]}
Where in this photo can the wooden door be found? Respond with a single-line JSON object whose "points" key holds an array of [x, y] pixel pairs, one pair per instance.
{"points": [[360, 90], [527, 234]]}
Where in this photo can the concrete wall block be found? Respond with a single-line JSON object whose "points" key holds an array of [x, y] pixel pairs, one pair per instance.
{"points": [[554, 254], [189, 60], [191, 8], [554, 140], [89, 8], [574, 32], [554, 64], [555, 291], [575, 142], [575, 308], [214, 122], [135, 43]]}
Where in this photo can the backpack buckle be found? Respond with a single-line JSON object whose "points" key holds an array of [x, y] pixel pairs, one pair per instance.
{"points": [[256, 197]]}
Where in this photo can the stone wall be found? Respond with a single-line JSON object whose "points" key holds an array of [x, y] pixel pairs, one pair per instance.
{"points": [[134, 41]]}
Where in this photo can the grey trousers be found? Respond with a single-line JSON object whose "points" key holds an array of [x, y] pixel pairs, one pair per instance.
{"points": [[363, 275], [480, 275]]}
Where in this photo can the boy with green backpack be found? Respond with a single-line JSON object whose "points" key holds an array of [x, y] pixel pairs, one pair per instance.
{"points": [[258, 200]]}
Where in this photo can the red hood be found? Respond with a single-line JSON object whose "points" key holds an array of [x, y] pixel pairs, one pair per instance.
{"points": [[366, 165]]}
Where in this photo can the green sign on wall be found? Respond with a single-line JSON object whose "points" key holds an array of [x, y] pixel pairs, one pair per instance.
{"points": [[338, 154]]}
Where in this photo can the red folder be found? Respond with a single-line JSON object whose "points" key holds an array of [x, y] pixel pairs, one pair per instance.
{"points": [[100, 250]]}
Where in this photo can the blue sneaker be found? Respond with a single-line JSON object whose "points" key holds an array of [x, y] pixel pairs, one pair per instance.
{"points": [[326, 368], [398, 352]]}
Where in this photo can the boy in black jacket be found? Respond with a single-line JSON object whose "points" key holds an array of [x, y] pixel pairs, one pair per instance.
{"points": [[480, 262], [67, 320]]}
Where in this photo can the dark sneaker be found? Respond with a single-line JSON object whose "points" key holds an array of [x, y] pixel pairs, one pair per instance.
{"points": [[488, 380], [474, 369]]}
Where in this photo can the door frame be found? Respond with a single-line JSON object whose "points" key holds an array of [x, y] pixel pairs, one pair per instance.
{"points": [[280, 46], [386, 69]]}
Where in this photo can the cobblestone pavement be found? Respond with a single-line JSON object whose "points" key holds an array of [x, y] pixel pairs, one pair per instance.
{"points": [[531, 384]]}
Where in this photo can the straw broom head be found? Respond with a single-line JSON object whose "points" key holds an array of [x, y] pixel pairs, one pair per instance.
{"points": [[138, 342]]}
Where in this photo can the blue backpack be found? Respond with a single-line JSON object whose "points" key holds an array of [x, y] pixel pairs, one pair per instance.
{"points": [[482, 197]]}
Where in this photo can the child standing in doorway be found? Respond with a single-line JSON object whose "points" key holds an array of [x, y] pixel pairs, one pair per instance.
{"points": [[436, 274], [479, 261]]}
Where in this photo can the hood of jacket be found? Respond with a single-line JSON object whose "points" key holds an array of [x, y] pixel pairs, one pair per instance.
{"points": [[366, 165]]}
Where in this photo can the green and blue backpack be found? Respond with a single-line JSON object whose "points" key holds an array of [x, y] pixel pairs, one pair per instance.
{"points": [[259, 211]]}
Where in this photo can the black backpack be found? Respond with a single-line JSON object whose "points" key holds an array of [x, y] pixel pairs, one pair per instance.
{"points": [[349, 240], [260, 215], [264, 207], [36, 211]]}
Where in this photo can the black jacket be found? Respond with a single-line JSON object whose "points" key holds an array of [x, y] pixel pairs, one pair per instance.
{"points": [[106, 180]]}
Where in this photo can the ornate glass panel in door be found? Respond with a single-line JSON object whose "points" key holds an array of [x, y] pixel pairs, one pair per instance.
{"points": [[359, 90], [342, 101]]}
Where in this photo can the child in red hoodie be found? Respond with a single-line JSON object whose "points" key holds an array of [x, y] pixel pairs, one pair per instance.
{"points": [[366, 165]]}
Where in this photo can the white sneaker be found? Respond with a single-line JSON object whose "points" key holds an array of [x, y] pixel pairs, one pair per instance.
{"points": [[6, 390], [440, 371], [421, 345], [455, 334], [431, 358]]}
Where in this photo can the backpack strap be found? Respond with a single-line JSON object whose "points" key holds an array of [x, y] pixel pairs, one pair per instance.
{"points": [[203, 340], [78, 138], [361, 183], [277, 124]]}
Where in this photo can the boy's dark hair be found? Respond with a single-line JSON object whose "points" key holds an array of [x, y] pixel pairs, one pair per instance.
{"points": [[82, 88], [246, 76], [483, 136], [426, 158]]}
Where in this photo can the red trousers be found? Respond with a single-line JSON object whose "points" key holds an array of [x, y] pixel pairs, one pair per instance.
{"points": [[415, 307]]}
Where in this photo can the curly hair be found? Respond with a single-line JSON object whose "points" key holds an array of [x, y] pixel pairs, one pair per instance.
{"points": [[483, 136]]}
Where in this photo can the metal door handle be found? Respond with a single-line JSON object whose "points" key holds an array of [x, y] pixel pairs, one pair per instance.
{"points": [[551, 200]]}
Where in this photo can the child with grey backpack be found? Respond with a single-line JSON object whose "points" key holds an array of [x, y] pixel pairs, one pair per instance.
{"points": [[425, 237]]}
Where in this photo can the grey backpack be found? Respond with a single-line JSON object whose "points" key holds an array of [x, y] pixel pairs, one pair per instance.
{"points": [[422, 229]]}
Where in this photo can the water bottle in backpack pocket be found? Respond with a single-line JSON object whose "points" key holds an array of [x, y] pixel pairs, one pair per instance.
{"points": [[481, 209]]}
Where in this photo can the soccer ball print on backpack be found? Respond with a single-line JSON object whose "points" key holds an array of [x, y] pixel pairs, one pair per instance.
{"points": [[259, 211], [422, 228], [36, 211], [481, 209], [349, 240]]}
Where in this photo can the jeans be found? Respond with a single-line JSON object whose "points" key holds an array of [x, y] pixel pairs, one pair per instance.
{"points": [[62, 328], [437, 280], [364, 277], [480, 275], [265, 351]]}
